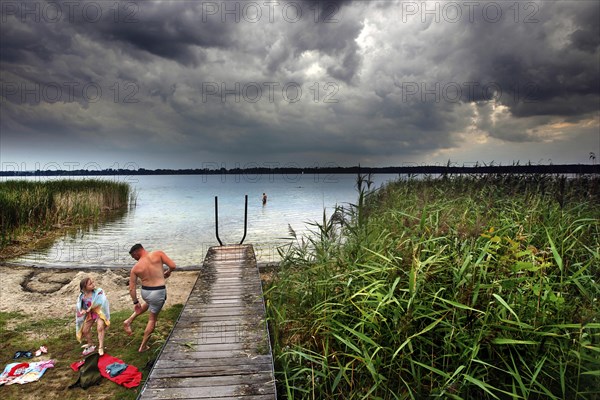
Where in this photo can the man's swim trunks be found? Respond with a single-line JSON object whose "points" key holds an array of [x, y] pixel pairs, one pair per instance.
{"points": [[155, 296]]}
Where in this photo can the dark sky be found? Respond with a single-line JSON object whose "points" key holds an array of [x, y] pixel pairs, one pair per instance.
{"points": [[192, 84]]}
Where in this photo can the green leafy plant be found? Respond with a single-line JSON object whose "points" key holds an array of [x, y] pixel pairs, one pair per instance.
{"points": [[458, 287]]}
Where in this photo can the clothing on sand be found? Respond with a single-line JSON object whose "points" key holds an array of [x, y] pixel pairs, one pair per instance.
{"points": [[129, 377], [89, 374], [24, 372]]}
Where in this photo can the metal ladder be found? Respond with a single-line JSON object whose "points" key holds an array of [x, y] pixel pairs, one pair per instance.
{"points": [[217, 219]]}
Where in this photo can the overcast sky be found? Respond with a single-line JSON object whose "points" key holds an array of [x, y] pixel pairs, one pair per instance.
{"points": [[193, 84]]}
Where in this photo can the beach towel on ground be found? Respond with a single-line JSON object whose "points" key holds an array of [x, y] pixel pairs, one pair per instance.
{"points": [[130, 377], [99, 306], [24, 372]]}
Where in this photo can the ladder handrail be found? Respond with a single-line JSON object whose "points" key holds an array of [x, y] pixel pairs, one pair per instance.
{"points": [[245, 219], [217, 219]]}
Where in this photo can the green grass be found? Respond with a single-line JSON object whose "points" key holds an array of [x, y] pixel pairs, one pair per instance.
{"points": [[19, 332], [460, 288]]}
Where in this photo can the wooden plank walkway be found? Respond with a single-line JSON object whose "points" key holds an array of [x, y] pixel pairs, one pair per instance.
{"points": [[219, 347]]}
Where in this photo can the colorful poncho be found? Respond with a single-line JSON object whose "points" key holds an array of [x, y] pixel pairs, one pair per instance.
{"points": [[99, 306]]}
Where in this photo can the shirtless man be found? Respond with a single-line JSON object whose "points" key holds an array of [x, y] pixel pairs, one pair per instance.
{"points": [[149, 268]]}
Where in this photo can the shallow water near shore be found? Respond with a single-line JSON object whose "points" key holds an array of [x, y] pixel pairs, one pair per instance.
{"points": [[176, 213]]}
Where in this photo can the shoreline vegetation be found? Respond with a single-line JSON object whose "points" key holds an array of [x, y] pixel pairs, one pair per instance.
{"points": [[35, 212], [472, 287], [38, 302]]}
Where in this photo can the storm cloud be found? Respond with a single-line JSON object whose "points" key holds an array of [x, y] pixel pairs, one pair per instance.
{"points": [[177, 84]]}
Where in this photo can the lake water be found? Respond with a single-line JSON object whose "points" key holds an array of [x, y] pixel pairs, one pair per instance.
{"points": [[176, 213]]}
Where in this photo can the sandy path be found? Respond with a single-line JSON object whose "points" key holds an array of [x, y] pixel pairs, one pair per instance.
{"points": [[53, 292]]}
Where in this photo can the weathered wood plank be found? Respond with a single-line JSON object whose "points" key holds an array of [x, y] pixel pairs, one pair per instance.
{"points": [[202, 330], [205, 355], [234, 295], [208, 337], [210, 382], [255, 310], [217, 362], [219, 347], [214, 329], [188, 349], [208, 367], [210, 370], [242, 392], [258, 397]]}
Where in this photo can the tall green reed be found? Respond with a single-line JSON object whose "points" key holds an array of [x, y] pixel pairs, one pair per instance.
{"points": [[458, 287], [28, 206]]}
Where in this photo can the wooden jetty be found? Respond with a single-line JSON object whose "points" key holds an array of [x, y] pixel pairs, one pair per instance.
{"points": [[219, 347]]}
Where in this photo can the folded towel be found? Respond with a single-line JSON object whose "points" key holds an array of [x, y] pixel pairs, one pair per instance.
{"points": [[115, 369]]}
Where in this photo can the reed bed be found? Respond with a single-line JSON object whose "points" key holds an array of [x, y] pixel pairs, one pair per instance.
{"points": [[31, 207], [457, 288]]}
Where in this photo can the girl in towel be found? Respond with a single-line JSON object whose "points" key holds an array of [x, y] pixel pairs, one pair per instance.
{"points": [[92, 306]]}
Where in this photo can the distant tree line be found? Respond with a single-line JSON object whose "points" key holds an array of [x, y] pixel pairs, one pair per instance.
{"points": [[408, 170]]}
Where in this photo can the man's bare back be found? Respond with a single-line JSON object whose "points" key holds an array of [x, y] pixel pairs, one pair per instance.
{"points": [[149, 268]]}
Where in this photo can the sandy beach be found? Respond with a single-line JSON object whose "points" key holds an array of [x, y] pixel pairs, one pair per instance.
{"points": [[53, 292]]}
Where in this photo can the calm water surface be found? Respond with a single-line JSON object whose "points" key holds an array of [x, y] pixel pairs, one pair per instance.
{"points": [[176, 213]]}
